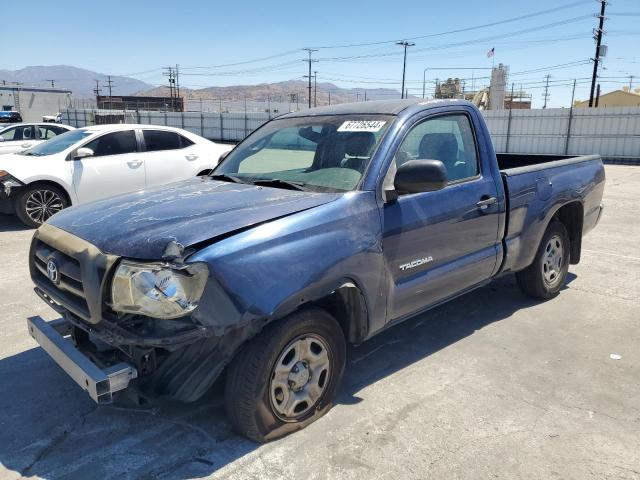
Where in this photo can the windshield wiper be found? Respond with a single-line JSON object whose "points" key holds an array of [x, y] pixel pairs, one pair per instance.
{"points": [[277, 183], [227, 178]]}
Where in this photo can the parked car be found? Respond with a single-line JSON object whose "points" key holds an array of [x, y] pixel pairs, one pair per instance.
{"points": [[322, 228], [10, 117], [101, 161], [57, 118], [19, 137]]}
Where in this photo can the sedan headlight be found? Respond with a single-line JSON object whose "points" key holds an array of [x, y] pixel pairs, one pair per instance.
{"points": [[158, 290]]}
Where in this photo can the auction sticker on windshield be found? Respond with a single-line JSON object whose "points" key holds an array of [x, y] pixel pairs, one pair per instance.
{"points": [[361, 126]]}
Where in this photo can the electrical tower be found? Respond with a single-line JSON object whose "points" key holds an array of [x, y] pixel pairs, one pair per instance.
{"points": [[52, 83], [599, 50], [309, 61], [545, 95]]}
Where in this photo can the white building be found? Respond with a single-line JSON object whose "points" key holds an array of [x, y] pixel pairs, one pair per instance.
{"points": [[33, 103]]}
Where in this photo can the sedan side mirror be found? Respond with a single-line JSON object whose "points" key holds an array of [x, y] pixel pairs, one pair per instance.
{"points": [[83, 152], [415, 176]]}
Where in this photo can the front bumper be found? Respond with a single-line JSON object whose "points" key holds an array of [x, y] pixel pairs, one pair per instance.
{"points": [[100, 383]]}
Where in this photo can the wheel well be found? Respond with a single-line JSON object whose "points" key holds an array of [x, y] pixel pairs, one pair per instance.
{"points": [[571, 215], [348, 307], [52, 184]]}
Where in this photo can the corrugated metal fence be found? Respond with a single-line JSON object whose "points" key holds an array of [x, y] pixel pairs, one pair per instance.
{"points": [[613, 132]]}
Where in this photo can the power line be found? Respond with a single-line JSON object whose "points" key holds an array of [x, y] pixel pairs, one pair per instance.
{"points": [[466, 42], [460, 30]]}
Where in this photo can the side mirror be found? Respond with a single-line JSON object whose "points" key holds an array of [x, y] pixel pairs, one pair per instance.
{"points": [[417, 176], [1, 138], [223, 156], [83, 152]]}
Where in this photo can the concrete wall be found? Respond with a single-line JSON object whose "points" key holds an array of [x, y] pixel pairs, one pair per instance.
{"points": [[33, 103]]}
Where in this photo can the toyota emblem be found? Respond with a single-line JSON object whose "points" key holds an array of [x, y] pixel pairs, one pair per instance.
{"points": [[52, 271]]}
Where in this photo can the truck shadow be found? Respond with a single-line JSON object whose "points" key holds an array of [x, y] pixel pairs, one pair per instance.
{"points": [[10, 223], [51, 429]]}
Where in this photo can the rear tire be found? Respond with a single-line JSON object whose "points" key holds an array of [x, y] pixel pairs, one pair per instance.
{"points": [[37, 203], [546, 276], [286, 377]]}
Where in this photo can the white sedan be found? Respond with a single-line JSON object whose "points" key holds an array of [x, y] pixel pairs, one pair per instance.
{"points": [[21, 136], [100, 161]]}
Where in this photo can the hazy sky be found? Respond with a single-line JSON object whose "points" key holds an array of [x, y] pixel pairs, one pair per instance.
{"points": [[138, 38]]}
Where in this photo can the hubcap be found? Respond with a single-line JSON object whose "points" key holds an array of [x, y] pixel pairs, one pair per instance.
{"points": [[41, 204], [299, 377], [552, 262]]}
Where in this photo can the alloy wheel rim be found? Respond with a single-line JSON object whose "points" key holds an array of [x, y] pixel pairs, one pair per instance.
{"points": [[42, 204], [553, 261], [299, 377]]}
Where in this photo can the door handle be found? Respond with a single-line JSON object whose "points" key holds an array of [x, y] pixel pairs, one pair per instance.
{"points": [[486, 202], [134, 163], [191, 157]]}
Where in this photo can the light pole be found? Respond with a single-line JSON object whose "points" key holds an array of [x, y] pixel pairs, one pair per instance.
{"points": [[424, 80], [404, 44]]}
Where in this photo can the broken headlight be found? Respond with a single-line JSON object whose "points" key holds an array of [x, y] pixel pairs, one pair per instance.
{"points": [[158, 290]]}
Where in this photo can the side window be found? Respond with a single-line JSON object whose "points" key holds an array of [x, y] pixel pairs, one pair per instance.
{"points": [[156, 140], [10, 134], [448, 138], [57, 130], [115, 143], [23, 132], [47, 132]]}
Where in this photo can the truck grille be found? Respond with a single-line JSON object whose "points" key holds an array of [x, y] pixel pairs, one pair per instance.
{"points": [[70, 271]]}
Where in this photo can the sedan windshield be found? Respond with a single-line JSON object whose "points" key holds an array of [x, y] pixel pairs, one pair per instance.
{"points": [[58, 144], [324, 153]]}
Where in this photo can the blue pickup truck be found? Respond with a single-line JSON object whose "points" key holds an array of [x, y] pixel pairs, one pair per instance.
{"points": [[322, 228]]}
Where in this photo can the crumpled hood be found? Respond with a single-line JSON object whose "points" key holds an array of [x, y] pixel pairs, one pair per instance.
{"points": [[141, 224]]}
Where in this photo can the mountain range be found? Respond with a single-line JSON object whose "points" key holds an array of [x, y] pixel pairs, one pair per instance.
{"points": [[81, 82]]}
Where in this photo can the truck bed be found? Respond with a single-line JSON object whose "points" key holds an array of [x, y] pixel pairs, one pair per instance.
{"points": [[538, 185], [509, 161]]}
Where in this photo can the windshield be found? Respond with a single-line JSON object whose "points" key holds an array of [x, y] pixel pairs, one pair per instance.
{"points": [[57, 144], [328, 153]]}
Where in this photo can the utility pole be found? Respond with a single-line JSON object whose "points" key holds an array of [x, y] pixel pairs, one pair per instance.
{"points": [[424, 80], [172, 81], [315, 88], [177, 80], [109, 86], [52, 83], [310, 61], [97, 90], [599, 32], [630, 83], [545, 95], [597, 96], [404, 44]]}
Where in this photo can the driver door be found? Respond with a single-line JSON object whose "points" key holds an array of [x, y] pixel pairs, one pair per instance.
{"points": [[440, 243]]}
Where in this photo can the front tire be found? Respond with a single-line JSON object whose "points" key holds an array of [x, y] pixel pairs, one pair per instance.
{"points": [[286, 377], [36, 203], [546, 276]]}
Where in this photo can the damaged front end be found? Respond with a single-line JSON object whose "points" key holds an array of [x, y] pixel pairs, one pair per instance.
{"points": [[124, 321]]}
